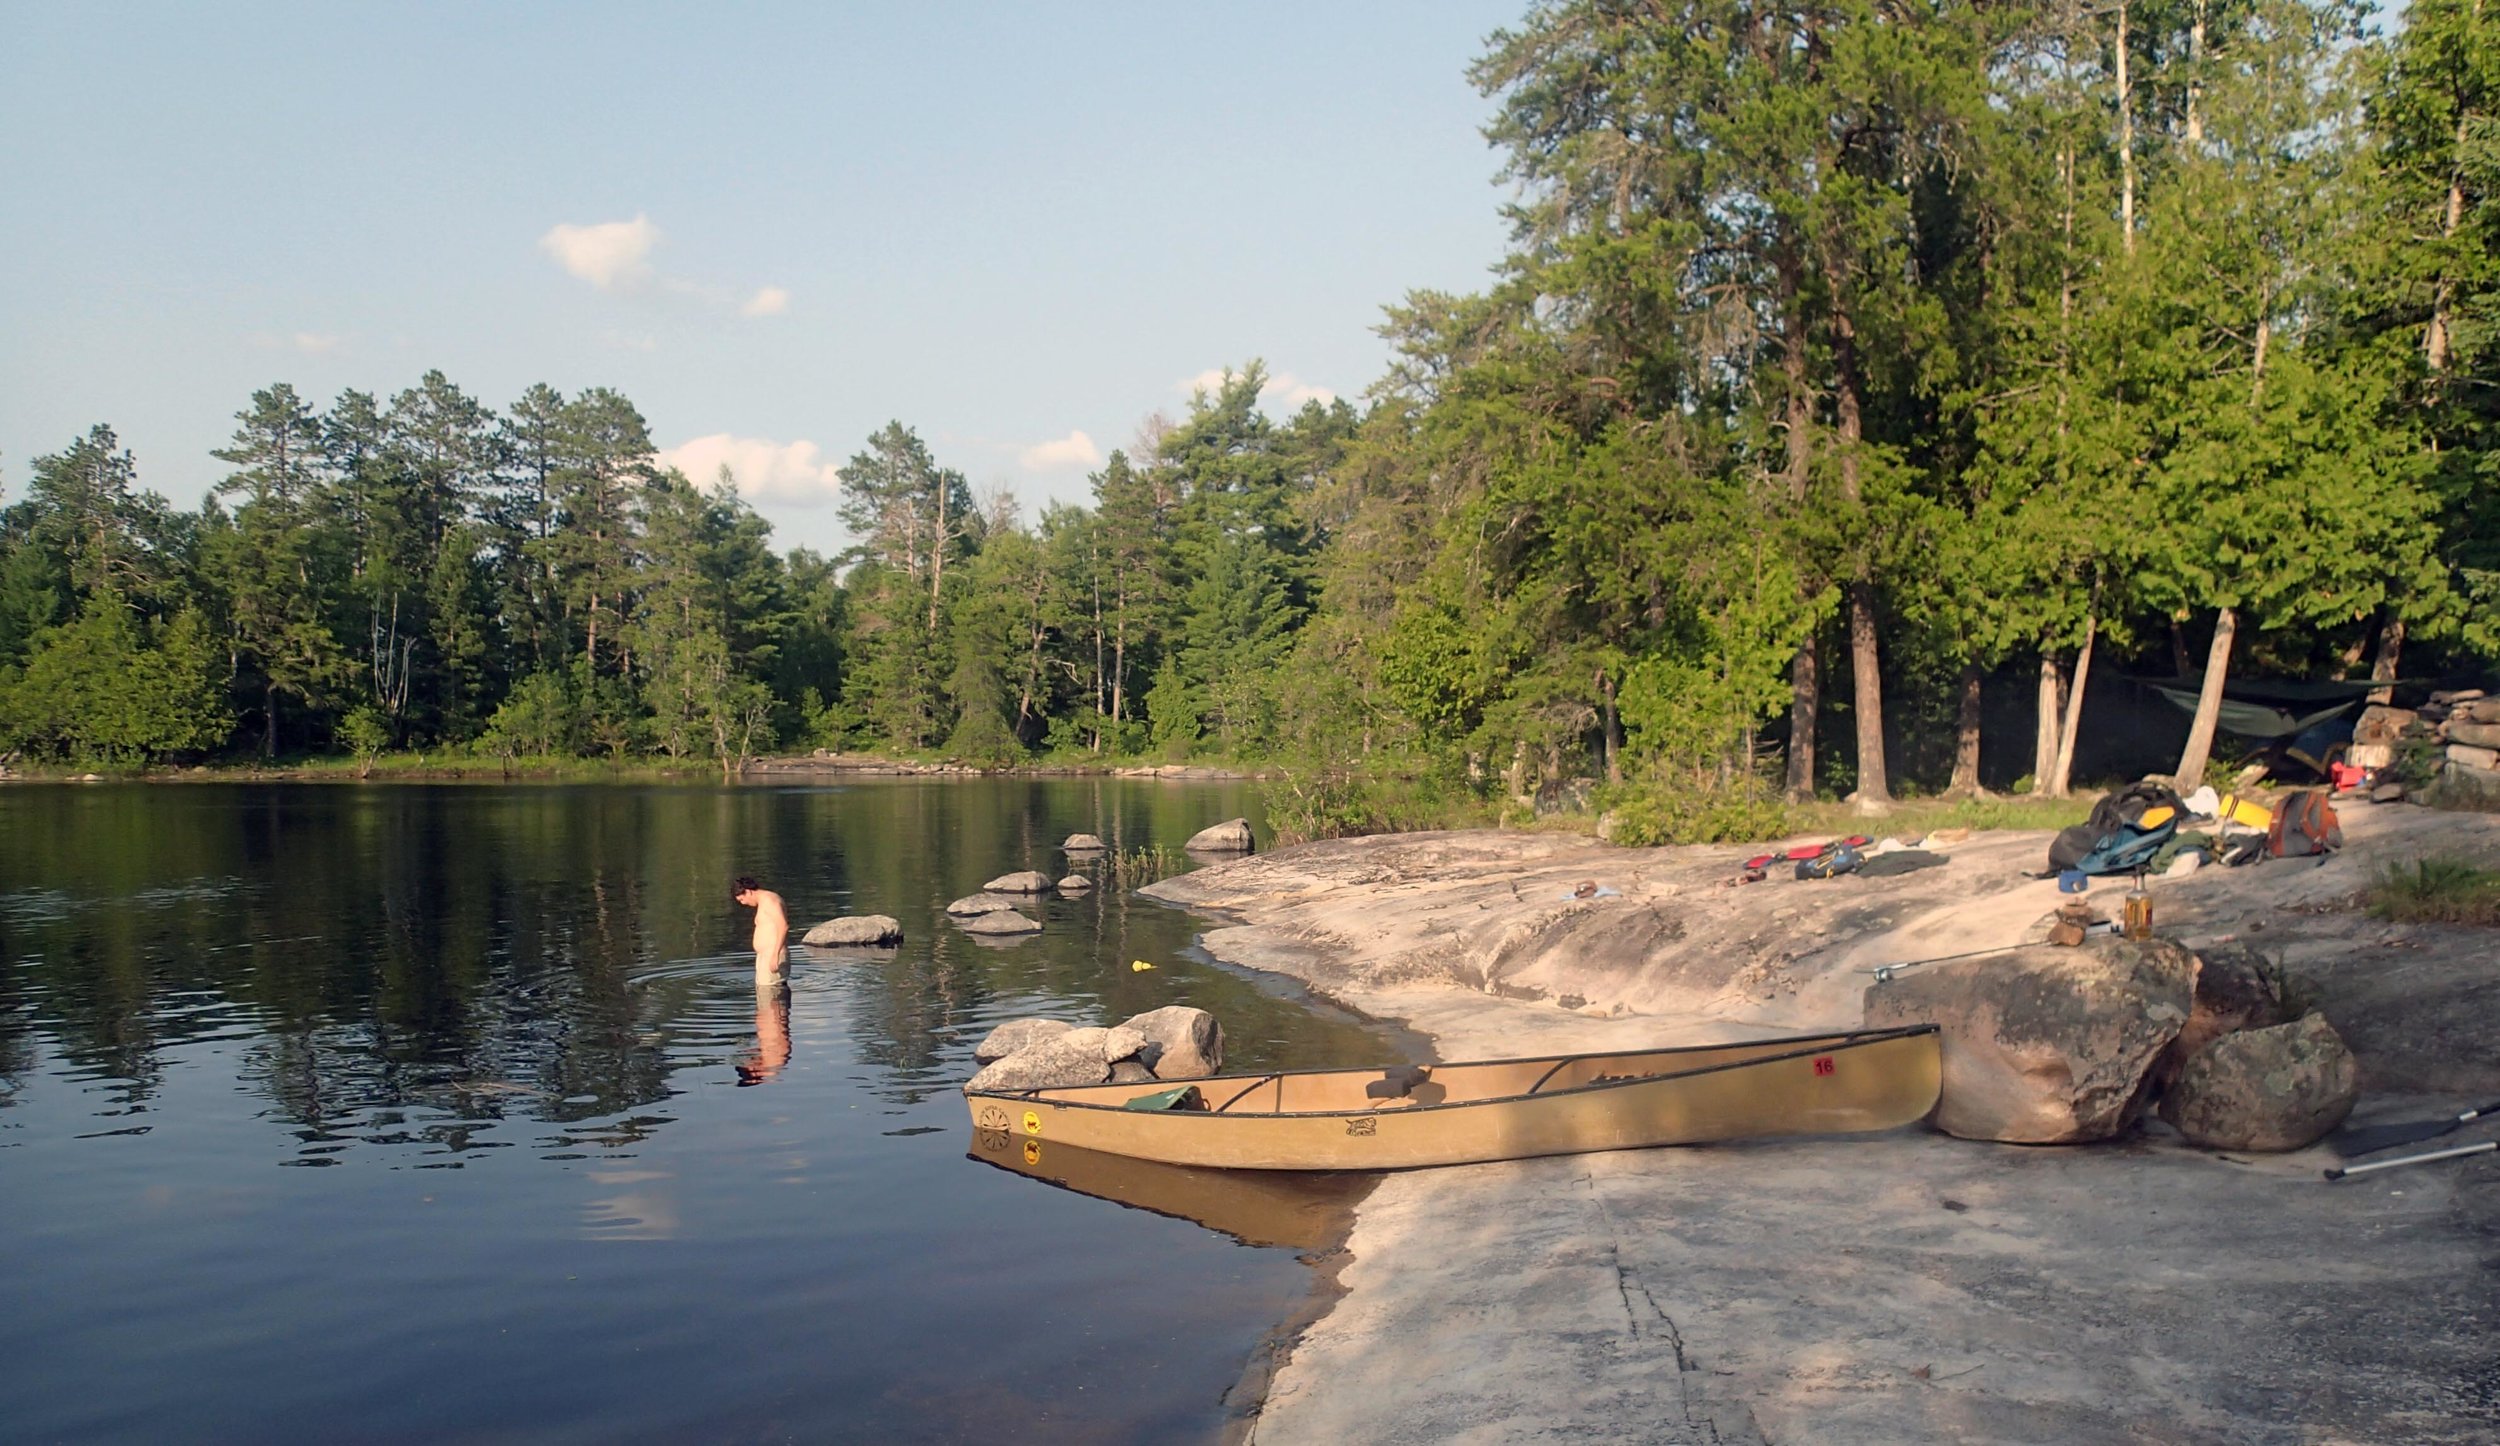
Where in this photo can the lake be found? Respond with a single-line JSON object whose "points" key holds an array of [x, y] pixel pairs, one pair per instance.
{"points": [[424, 1112]]}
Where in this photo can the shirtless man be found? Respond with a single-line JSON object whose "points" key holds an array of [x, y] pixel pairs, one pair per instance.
{"points": [[772, 927]]}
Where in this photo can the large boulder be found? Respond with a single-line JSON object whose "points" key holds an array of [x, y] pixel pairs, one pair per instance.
{"points": [[1229, 837], [2237, 988], [1000, 923], [2265, 1089], [971, 904], [854, 930], [2046, 1045], [1077, 1057], [1015, 1035], [2380, 723], [1030, 881], [1181, 1042], [1083, 843]]}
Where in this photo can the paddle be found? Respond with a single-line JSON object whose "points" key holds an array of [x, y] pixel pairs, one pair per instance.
{"points": [[2372, 1138], [2449, 1154]]}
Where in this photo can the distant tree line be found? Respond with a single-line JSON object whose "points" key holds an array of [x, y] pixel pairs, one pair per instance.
{"points": [[1846, 357]]}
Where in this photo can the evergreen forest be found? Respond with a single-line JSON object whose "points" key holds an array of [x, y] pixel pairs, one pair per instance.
{"points": [[1851, 363]]}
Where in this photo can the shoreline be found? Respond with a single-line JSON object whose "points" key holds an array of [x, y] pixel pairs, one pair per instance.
{"points": [[761, 770], [1902, 1286]]}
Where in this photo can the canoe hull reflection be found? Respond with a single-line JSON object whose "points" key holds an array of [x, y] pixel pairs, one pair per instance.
{"points": [[1295, 1209], [1457, 1114]]}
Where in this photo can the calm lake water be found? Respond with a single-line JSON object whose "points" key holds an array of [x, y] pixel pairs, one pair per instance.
{"points": [[416, 1113]]}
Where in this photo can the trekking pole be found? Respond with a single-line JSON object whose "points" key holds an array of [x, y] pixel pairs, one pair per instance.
{"points": [[2340, 1172], [1884, 972]]}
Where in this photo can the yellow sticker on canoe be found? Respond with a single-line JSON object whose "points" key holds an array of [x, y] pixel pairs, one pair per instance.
{"points": [[1032, 1123], [1032, 1152]]}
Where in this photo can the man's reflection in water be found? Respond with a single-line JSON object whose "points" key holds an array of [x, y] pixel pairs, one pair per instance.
{"points": [[772, 1031]]}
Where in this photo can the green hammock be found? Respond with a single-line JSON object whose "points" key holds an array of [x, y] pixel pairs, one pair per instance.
{"points": [[2258, 712]]}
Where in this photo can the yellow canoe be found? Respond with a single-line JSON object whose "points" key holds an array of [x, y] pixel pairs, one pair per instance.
{"points": [[1405, 1116]]}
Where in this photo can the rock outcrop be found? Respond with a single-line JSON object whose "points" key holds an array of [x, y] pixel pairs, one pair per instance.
{"points": [[2046, 1045], [1030, 881], [857, 929], [1082, 843], [2278, 1088], [1181, 1042], [1229, 837], [1000, 923], [971, 904], [1015, 1035]]}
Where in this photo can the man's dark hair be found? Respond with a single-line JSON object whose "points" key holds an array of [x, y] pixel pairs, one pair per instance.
{"points": [[742, 885]]}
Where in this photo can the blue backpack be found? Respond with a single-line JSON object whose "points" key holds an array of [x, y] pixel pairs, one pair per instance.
{"points": [[2128, 848]]}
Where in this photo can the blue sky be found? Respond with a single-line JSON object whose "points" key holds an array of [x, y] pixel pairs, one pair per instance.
{"points": [[1020, 230]]}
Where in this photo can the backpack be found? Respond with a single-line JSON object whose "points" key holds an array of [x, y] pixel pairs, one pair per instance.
{"points": [[2304, 824], [2114, 840], [1834, 860]]}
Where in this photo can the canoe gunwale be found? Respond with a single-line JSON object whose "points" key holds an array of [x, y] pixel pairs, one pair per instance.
{"points": [[1807, 1045]]}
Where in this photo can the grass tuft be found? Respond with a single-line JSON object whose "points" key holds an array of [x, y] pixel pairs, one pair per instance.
{"points": [[2437, 891]]}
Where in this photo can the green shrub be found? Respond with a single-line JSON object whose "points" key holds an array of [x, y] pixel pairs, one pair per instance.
{"points": [[1305, 803], [1691, 811]]}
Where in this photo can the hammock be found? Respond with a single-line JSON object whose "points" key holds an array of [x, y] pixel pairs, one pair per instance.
{"points": [[2256, 709]]}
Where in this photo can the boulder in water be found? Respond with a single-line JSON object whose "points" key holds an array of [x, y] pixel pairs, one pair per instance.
{"points": [[999, 923], [971, 904], [1181, 1042], [1030, 881], [1016, 1035], [1229, 837], [1076, 884], [854, 929], [1082, 843]]}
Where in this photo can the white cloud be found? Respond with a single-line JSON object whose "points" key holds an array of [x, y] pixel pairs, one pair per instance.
{"points": [[1292, 391], [764, 470], [767, 301], [310, 343], [1284, 390], [1073, 450], [611, 255]]}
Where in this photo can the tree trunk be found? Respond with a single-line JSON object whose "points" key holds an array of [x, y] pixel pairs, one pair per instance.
{"points": [[2200, 743], [2126, 141], [1805, 673], [2044, 731], [2181, 662], [1966, 737], [2391, 646], [2064, 772], [1614, 729], [1873, 786], [1805, 699], [937, 563], [2435, 340]]}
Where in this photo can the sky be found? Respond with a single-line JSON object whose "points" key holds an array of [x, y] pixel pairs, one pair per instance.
{"points": [[1020, 230]]}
